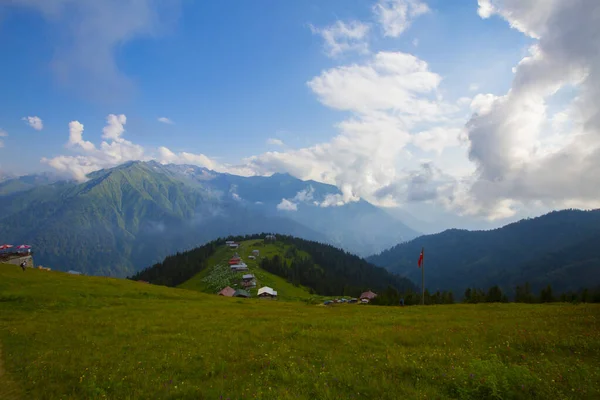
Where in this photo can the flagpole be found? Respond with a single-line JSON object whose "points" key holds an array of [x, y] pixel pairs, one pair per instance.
{"points": [[423, 275]]}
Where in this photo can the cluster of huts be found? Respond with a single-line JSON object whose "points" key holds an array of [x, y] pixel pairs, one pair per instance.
{"points": [[263, 293], [236, 264], [364, 298]]}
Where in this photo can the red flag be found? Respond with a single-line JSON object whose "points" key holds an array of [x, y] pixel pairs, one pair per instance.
{"points": [[421, 259]]}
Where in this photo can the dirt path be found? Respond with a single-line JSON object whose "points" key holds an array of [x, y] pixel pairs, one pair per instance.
{"points": [[9, 390]]}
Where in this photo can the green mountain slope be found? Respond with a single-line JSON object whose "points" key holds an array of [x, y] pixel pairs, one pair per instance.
{"points": [[305, 267], [343, 225], [559, 248], [23, 183], [123, 219]]}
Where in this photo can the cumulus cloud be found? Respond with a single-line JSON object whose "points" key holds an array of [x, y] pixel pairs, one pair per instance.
{"points": [[437, 139], [287, 205], [342, 37], [166, 156], [275, 142], [113, 151], [389, 97], [395, 16], [165, 120], [91, 31], [523, 153], [76, 137], [34, 122]]}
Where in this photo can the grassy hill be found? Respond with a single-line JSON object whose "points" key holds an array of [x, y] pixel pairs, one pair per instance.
{"points": [[79, 337], [326, 270], [217, 275]]}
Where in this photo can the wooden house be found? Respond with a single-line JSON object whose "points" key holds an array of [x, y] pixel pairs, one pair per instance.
{"points": [[267, 292]]}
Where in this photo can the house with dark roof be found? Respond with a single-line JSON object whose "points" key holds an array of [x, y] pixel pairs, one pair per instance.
{"points": [[241, 293], [239, 267]]}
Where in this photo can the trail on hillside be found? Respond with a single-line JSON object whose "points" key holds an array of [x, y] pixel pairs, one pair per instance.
{"points": [[9, 390]]}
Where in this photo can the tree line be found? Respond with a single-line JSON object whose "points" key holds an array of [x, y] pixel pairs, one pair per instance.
{"points": [[523, 294], [327, 270]]}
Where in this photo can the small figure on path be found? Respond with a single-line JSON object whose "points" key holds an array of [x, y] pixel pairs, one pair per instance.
{"points": [[402, 302], [24, 265]]}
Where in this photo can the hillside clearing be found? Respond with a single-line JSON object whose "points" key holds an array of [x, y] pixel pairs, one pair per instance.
{"points": [[74, 337], [216, 276]]}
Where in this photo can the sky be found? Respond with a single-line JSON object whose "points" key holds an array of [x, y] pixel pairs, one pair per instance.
{"points": [[478, 112]]}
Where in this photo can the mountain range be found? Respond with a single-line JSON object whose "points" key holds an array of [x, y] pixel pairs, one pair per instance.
{"points": [[560, 248], [128, 217]]}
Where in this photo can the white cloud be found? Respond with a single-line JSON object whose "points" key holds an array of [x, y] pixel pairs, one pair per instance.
{"points": [[305, 195], [110, 153], [115, 127], [166, 156], [473, 87], [34, 122], [390, 81], [287, 205], [165, 120], [395, 16], [437, 139], [342, 37], [523, 154], [388, 96], [76, 137], [92, 31], [275, 142]]}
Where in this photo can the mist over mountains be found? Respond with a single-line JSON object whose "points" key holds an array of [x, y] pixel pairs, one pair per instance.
{"points": [[126, 218]]}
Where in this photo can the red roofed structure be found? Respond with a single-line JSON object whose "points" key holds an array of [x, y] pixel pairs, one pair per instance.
{"points": [[235, 260], [368, 295], [227, 292]]}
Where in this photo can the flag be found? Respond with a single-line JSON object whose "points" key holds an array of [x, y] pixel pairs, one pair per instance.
{"points": [[421, 259]]}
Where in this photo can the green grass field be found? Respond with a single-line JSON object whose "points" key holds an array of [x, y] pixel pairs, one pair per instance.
{"points": [[217, 275], [77, 337]]}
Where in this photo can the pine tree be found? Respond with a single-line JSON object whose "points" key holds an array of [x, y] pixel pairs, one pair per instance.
{"points": [[468, 296]]}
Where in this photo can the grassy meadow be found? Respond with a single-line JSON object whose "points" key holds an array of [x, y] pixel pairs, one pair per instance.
{"points": [[78, 337]]}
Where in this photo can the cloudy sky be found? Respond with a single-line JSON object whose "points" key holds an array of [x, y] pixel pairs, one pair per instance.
{"points": [[471, 110]]}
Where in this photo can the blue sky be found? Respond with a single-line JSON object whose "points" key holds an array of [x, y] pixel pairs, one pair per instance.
{"points": [[242, 76], [231, 75]]}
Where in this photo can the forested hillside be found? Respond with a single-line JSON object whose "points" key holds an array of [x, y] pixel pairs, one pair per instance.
{"points": [[559, 248], [323, 268], [330, 271], [123, 219]]}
